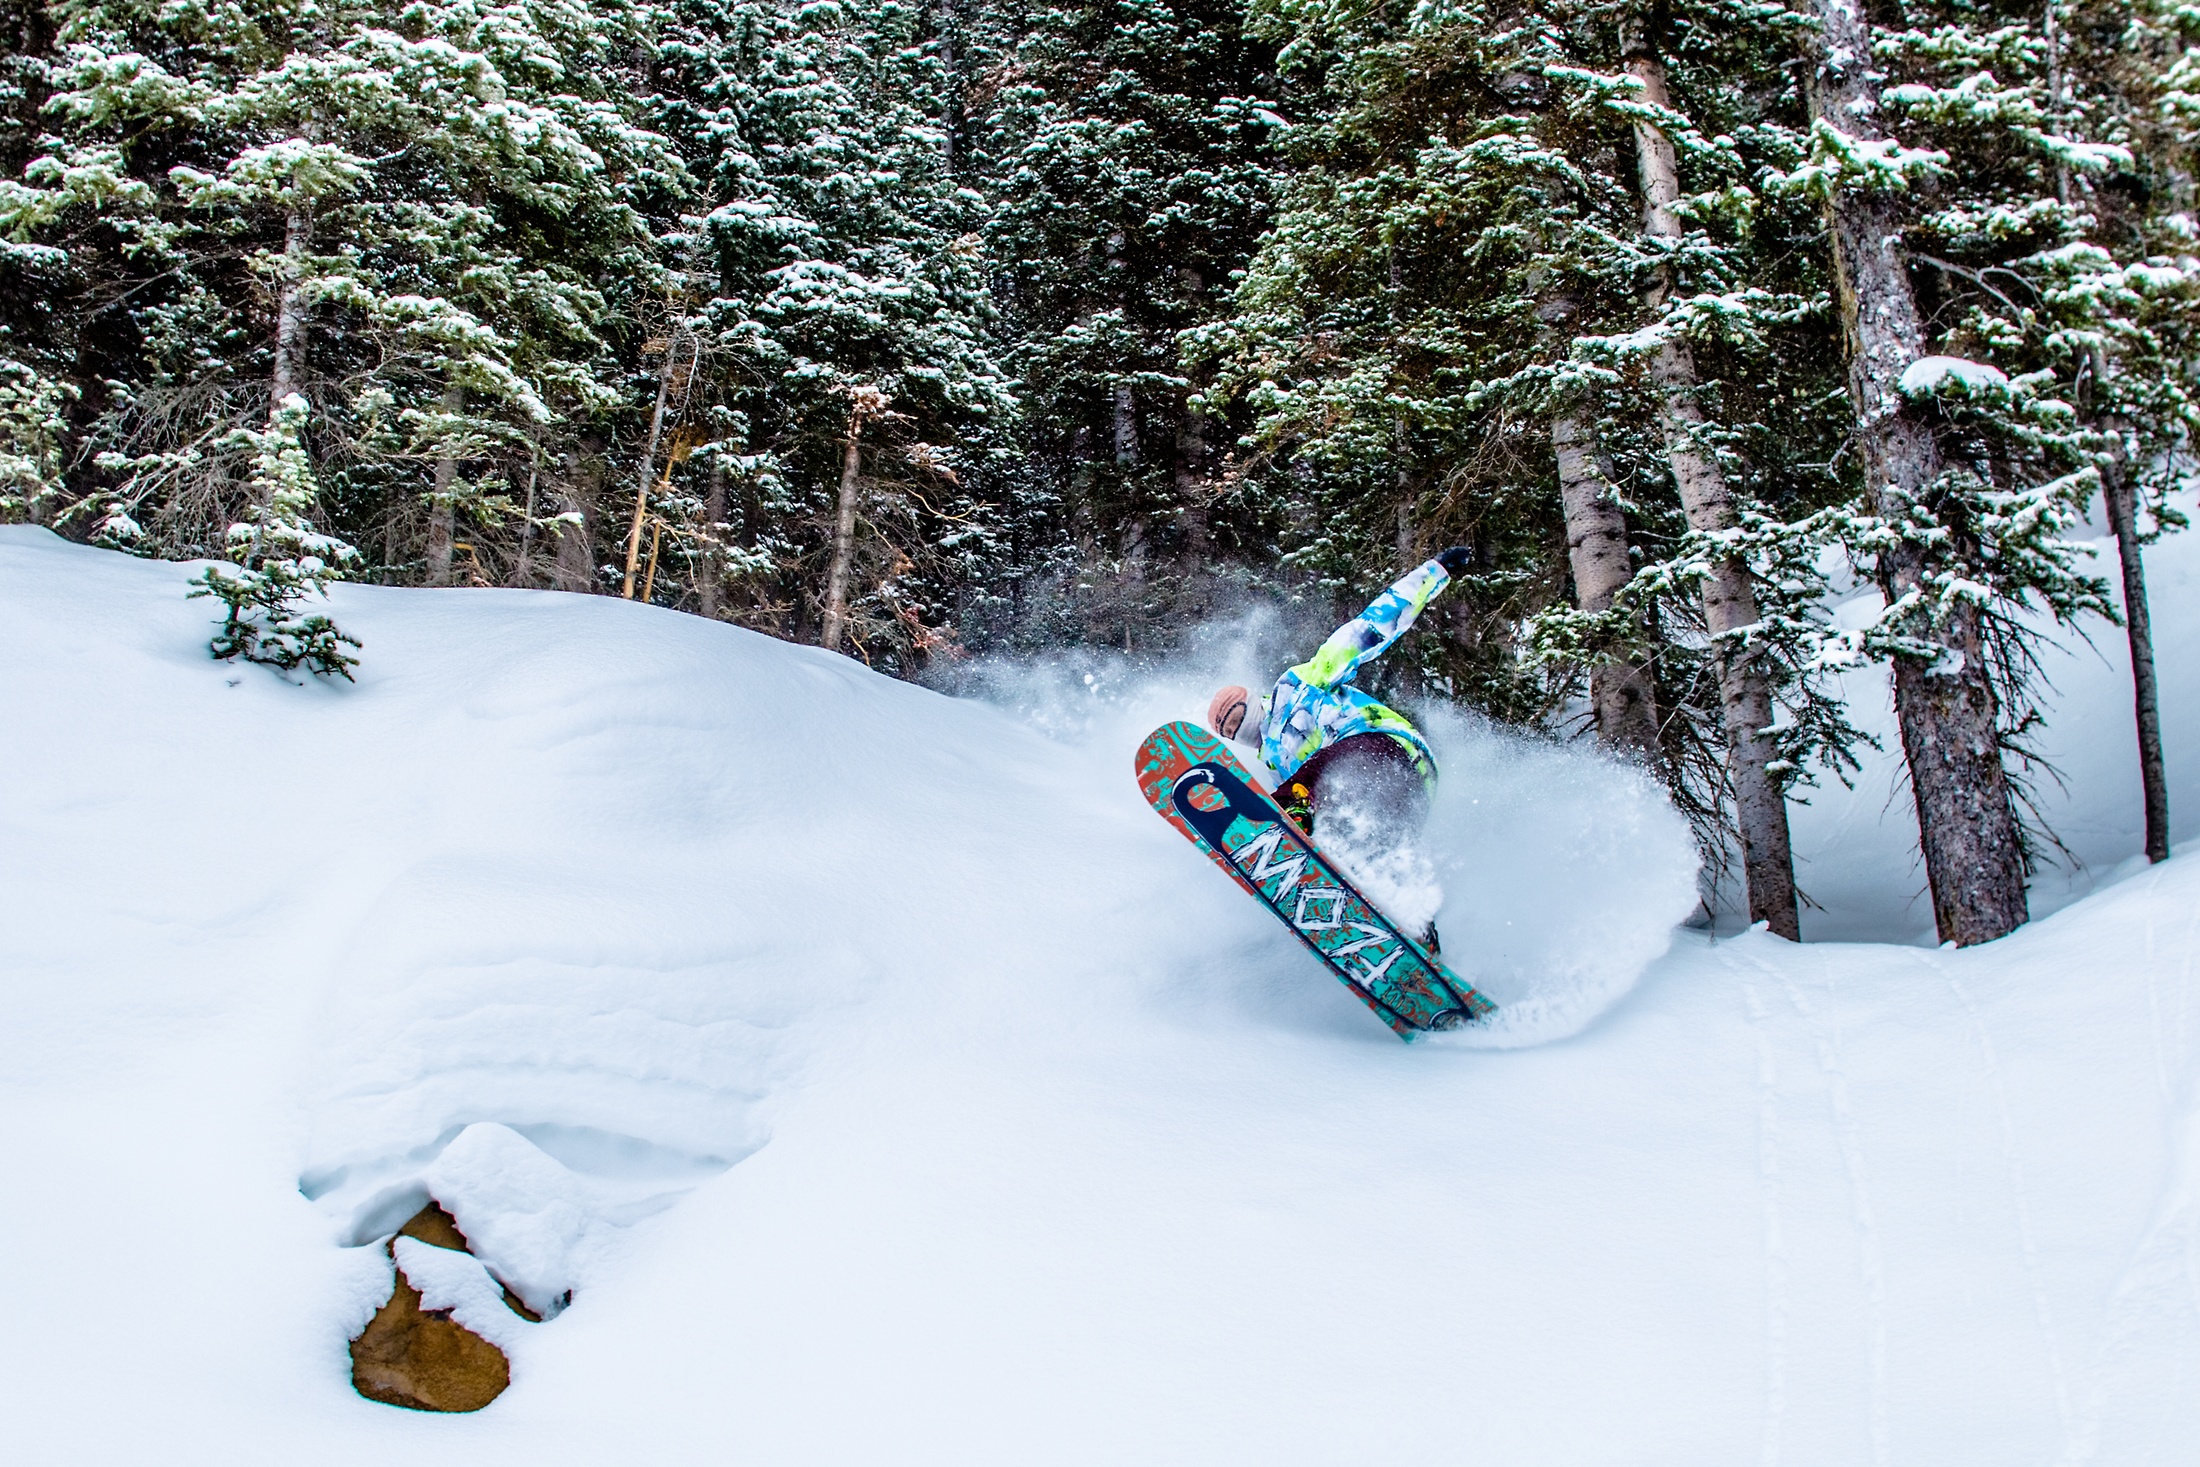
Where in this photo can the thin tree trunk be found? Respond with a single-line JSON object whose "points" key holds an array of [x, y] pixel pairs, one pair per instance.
{"points": [[289, 375], [1946, 706], [844, 539], [1729, 600], [523, 570], [2123, 513], [1126, 427], [580, 484], [1620, 692], [714, 529], [1191, 461], [947, 101], [1191, 477], [649, 461], [442, 514]]}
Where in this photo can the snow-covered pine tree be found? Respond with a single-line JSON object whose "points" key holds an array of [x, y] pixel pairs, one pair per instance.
{"points": [[1730, 610], [1935, 152], [847, 333], [1129, 146], [2118, 313], [32, 431], [402, 217], [280, 560]]}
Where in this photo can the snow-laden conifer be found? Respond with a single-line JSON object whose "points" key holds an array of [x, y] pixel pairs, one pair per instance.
{"points": [[280, 560]]}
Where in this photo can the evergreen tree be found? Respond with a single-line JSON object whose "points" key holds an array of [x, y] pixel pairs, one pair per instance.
{"points": [[1130, 150], [280, 559], [845, 337]]}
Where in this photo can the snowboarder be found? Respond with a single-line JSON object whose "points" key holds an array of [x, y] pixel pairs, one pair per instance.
{"points": [[1338, 754]]}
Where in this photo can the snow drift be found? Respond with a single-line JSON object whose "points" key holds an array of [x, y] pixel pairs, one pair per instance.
{"points": [[884, 1083]]}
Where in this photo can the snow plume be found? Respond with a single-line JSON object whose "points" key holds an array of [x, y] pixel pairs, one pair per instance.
{"points": [[1564, 872], [1555, 875]]}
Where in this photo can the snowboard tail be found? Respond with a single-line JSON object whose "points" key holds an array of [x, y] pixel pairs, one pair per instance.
{"points": [[1191, 778]]}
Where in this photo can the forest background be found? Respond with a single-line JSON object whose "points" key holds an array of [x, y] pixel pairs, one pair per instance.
{"points": [[919, 331]]}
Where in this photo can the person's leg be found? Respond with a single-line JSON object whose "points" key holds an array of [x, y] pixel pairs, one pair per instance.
{"points": [[1369, 804]]}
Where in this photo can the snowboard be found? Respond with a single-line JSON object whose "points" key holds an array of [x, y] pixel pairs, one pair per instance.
{"points": [[1190, 776]]}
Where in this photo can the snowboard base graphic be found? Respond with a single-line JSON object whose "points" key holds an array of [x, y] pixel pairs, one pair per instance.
{"points": [[1191, 778]]}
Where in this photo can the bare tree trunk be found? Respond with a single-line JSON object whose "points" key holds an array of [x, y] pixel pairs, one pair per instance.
{"points": [[1191, 480], [581, 481], [2123, 513], [1126, 427], [649, 461], [714, 530], [1729, 600], [844, 538], [1946, 706], [1191, 469], [442, 515], [523, 570], [289, 375], [1620, 692]]}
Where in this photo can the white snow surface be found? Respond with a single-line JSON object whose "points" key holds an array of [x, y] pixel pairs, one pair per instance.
{"points": [[889, 1085]]}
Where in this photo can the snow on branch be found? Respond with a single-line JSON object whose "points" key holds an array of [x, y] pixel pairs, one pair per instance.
{"points": [[1841, 161]]}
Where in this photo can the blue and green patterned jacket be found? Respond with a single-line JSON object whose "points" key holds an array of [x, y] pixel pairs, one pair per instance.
{"points": [[1315, 705]]}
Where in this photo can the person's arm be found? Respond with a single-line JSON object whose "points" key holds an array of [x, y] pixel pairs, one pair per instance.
{"points": [[1368, 635]]}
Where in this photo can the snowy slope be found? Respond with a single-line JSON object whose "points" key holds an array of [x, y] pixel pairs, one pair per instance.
{"points": [[890, 1086]]}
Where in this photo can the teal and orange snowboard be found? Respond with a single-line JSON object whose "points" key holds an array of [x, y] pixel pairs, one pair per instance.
{"points": [[1198, 786]]}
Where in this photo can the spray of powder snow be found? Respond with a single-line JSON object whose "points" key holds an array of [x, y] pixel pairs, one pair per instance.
{"points": [[1554, 875]]}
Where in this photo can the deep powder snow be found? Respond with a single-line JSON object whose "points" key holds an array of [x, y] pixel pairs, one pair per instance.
{"points": [[887, 1084]]}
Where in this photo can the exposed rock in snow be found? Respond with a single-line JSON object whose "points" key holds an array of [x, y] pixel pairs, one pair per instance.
{"points": [[430, 1347]]}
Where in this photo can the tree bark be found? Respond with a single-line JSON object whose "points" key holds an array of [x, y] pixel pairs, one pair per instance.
{"points": [[649, 460], [442, 515], [1620, 692], [523, 570], [1946, 705], [1191, 478], [1729, 600], [2123, 513], [289, 374], [581, 481], [844, 539], [1126, 427], [714, 546]]}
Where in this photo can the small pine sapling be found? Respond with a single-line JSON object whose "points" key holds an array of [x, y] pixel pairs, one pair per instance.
{"points": [[280, 559]]}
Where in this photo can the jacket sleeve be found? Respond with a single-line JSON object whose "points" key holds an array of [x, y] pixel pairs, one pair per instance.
{"points": [[1368, 635]]}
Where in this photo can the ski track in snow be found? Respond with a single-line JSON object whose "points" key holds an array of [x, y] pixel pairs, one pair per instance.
{"points": [[1768, 1185], [2159, 1285], [2020, 1196], [1871, 1266]]}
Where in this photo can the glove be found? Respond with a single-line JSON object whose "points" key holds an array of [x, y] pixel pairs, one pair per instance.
{"points": [[1456, 559]]}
